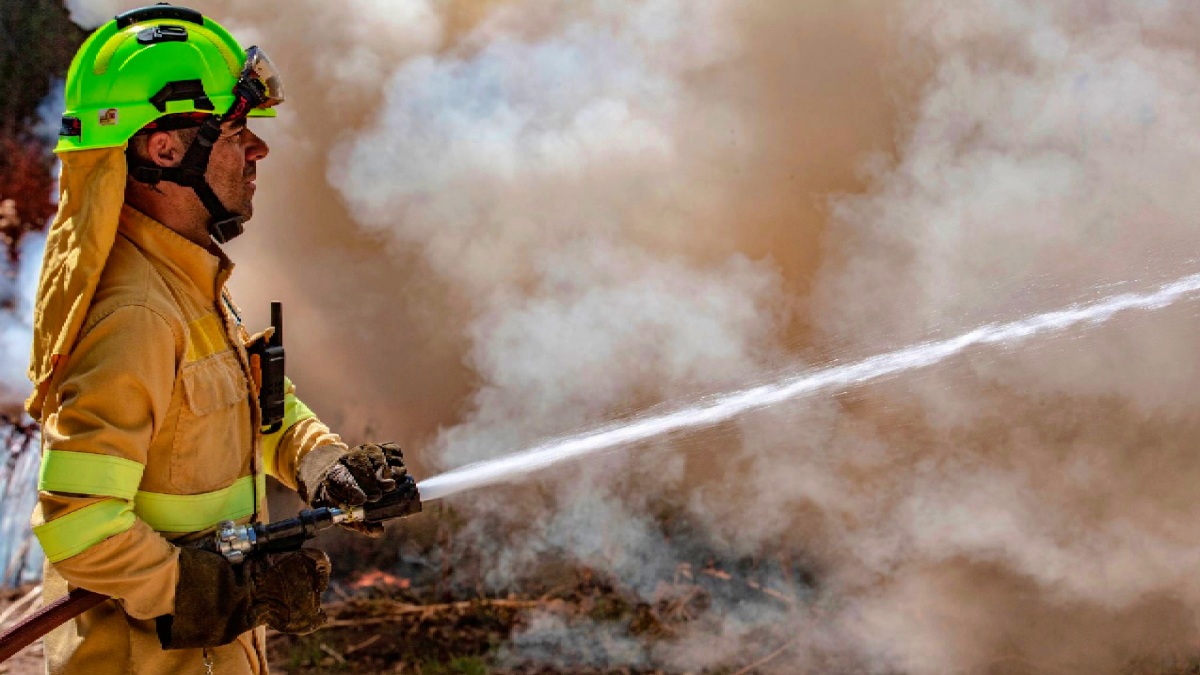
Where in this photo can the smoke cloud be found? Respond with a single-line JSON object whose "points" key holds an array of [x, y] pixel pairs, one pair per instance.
{"points": [[92, 13], [493, 222], [1043, 487], [18, 286]]}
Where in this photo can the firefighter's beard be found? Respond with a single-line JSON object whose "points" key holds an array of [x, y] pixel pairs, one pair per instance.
{"points": [[234, 184]]}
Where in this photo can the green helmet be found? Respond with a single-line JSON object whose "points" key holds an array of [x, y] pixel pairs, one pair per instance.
{"points": [[145, 64]]}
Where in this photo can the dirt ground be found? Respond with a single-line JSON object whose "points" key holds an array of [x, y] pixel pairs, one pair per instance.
{"points": [[380, 624], [427, 612], [389, 616], [15, 603]]}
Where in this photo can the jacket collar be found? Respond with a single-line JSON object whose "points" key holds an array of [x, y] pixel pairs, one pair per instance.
{"points": [[206, 268]]}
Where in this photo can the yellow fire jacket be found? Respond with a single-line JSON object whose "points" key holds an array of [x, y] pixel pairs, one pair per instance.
{"points": [[150, 438]]}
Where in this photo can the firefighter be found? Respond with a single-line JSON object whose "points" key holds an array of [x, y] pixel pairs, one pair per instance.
{"points": [[145, 380]]}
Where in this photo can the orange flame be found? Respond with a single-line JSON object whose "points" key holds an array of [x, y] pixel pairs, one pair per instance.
{"points": [[379, 578]]}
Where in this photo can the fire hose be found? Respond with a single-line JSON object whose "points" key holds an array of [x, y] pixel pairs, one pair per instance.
{"points": [[236, 543]]}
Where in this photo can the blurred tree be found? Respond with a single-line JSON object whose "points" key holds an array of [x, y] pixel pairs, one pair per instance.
{"points": [[37, 41]]}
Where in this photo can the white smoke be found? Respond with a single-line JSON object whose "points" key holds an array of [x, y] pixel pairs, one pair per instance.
{"points": [[571, 643], [17, 292], [93, 13], [1050, 160], [524, 171]]}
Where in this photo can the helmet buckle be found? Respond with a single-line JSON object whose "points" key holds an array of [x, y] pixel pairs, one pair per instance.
{"points": [[162, 33], [225, 229]]}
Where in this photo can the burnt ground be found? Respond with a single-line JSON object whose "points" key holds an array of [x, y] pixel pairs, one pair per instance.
{"points": [[429, 614], [383, 623], [391, 629], [420, 610]]}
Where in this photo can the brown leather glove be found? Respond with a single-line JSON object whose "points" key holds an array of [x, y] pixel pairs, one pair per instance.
{"points": [[330, 476], [216, 601]]}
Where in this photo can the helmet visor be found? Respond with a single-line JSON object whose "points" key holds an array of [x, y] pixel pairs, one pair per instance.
{"points": [[260, 73]]}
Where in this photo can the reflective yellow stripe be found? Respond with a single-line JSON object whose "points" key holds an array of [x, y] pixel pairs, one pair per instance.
{"points": [[294, 411], [192, 513], [206, 336], [79, 530], [88, 473], [104, 56]]}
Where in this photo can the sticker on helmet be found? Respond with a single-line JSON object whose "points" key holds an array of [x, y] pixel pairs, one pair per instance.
{"points": [[108, 117]]}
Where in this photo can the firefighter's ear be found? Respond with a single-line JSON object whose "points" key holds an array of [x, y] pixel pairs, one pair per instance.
{"points": [[165, 148]]}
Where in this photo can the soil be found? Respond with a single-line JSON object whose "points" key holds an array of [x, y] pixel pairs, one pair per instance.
{"points": [[387, 628], [28, 660]]}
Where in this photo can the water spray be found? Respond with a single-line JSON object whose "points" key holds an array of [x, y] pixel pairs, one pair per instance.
{"points": [[725, 407]]}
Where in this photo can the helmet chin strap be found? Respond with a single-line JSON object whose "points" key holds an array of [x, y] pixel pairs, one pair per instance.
{"points": [[223, 224]]}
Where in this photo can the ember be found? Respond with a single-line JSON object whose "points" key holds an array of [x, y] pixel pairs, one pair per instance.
{"points": [[374, 578]]}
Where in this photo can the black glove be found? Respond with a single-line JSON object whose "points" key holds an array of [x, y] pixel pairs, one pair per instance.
{"points": [[216, 601], [330, 476]]}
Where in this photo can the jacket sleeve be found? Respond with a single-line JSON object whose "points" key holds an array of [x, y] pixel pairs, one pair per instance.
{"points": [[299, 435], [113, 395]]}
